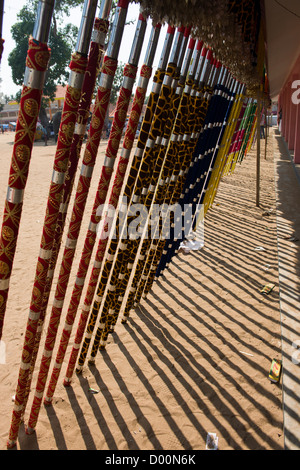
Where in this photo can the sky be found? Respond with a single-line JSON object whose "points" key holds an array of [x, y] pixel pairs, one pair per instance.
{"points": [[12, 8]]}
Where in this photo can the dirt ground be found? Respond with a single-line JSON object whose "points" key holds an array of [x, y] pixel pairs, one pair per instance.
{"points": [[193, 358]]}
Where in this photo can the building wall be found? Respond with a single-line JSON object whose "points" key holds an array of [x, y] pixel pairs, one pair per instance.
{"points": [[11, 110]]}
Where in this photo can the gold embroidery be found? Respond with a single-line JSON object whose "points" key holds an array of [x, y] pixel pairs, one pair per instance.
{"points": [[22, 152], [42, 58], [31, 107], [7, 233], [4, 268]]}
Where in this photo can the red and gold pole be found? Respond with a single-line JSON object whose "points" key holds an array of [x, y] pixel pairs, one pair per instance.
{"points": [[102, 100], [72, 99], [199, 101], [36, 65], [94, 59], [128, 248], [95, 55]]}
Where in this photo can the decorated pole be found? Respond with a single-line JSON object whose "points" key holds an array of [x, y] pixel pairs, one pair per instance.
{"points": [[102, 100], [210, 148], [83, 112], [70, 112], [220, 147], [149, 171], [251, 122], [203, 191], [94, 59], [179, 106], [72, 99], [206, 142], [166, 234], [234, 151], [127, 145], [89, 158], [132, 177], [105, 232], [259, 110], [129, 187], [116, 133], [170, 198], [205, 92], [225, 150], [95, 56], [177, 162], [36, 65], [252, 129], [247, 131], [228, 161], [185, 151]]}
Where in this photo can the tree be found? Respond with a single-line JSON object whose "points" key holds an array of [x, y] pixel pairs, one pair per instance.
{"points": [[117, 83], [62, 41]]}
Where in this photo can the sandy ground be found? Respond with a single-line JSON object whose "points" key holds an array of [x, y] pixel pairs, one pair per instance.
{"points": [[193, 358]]}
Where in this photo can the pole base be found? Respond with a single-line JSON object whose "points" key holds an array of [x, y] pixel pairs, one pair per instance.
{"points": [[10, 444], [67, 382], [29, 430]]}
